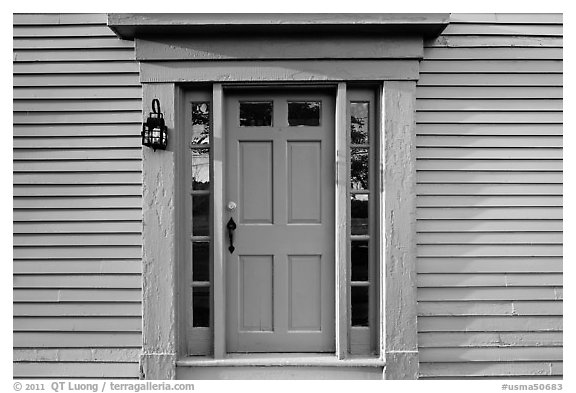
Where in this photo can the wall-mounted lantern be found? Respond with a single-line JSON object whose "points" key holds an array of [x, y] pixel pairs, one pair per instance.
{"points": [[154, 131]]}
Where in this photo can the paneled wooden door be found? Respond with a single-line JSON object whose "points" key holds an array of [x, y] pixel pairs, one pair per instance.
{"points": [[280, 188]]}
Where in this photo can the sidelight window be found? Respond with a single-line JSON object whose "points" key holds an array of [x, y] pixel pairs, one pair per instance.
{"points": [[362, 222], [199, 229], [200, 150]]}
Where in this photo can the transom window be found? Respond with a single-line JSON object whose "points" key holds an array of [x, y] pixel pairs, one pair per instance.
{"points": [[256, 114], [304, 113], [300, 113]]}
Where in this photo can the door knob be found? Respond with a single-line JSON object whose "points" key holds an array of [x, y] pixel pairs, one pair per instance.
{"points": [[231, 205]]}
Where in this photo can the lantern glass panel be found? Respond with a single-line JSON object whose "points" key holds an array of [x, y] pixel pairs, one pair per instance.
{"points": [[156, 135]]}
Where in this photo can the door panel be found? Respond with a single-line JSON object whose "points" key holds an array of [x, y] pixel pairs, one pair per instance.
{"points": [[280, 278], [255, 182], [304, 186], [256, 293], [305, 292]]}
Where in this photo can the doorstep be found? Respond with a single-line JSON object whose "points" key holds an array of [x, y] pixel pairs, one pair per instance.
{"points": [[279, 366]]}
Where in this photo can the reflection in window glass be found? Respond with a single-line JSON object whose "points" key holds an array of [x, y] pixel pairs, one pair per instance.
{"points": [[201, 261], [199, 175], [201, 307], [306, 113], [359, 123], [359, 168], [359, 214], [256, 114], [200, 215], [200, 169], [200, 123], [359, 251], [359, 297]]}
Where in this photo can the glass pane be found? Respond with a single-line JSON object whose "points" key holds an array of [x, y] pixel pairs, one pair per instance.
{"points": [[306, 113], [201, 261], [201, 169], [255, 114], [201, 307], [359, 214], [200, 123], [359, 252], [359, 297], [200, 215], [359, 168], [359, 122]]}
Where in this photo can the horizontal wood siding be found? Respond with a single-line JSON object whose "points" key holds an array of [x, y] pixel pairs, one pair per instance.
{"points": [[77, 199], [489, 146]]}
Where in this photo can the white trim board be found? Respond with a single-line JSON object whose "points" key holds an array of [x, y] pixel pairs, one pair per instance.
{"points": [[277, 70]]}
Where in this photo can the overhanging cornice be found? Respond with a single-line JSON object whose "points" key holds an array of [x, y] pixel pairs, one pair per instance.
{"points": [[130, 26]]}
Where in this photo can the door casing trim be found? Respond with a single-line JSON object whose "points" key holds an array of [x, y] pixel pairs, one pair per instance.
{"points": [[162, 312]]}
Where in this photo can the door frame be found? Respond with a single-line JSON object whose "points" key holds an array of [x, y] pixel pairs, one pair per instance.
{"points": [[168, 65], [219, 220], [164, 321]]}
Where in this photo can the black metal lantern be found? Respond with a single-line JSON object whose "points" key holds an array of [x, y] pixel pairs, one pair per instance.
{"points": [[154, 131]]}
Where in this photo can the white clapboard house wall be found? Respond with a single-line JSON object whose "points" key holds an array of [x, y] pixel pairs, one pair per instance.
{"points": [[77, 199], [489, 148], [489, 210]]}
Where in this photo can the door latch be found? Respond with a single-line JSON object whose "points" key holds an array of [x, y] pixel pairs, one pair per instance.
{"points": [[231, 226]]}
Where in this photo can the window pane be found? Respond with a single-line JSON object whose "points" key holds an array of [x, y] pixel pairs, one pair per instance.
{"points": [[359, 214], [359, 122], [201, 169], [359, 251], [200, 123], [201, 307], [359, 297], [255, 114], [200, 215], [359, 168], [306, 113], [201, 261]]}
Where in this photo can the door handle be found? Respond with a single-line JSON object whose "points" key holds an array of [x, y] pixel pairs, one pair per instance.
{"points": [[231, 226]]}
